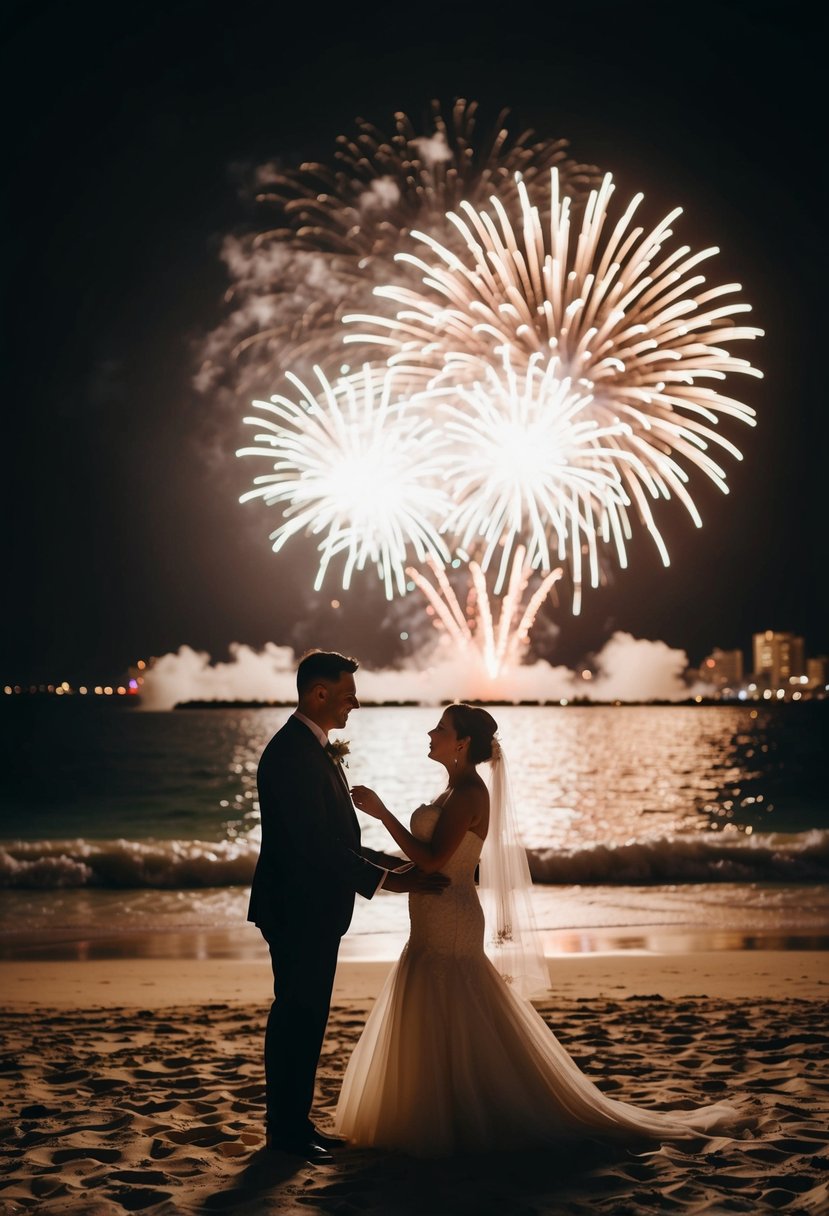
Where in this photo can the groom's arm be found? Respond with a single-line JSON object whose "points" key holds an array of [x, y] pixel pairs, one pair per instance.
{"points": [[408, 878], [309, 830], [387, 860]]}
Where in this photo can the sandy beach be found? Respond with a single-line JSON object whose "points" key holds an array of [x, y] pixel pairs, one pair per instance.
{"points": [[135, 1084]]}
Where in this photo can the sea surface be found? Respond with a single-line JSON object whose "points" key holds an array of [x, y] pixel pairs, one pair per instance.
{"points": [[646, 826]]}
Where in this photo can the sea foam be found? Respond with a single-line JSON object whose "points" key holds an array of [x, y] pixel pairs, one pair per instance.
{"points": [[186, 864]]}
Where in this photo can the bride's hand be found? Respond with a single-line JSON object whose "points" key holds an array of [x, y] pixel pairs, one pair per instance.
{"points": [[367, 801]]}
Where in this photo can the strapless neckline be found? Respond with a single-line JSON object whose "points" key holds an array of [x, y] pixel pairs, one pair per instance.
{"points": [[437, 808]]}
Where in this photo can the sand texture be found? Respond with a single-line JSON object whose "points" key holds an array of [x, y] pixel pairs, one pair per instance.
{"points": [[117, 1109]]}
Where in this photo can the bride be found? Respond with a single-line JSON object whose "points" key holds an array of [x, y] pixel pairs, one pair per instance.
{"points": [[453, 1057]]}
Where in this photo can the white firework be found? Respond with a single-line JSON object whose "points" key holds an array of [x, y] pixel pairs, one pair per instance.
{"points": [[530, 466], [632, 330], [357, 462]]}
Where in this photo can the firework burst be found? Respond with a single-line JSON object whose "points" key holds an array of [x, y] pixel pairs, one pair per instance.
{"points": [[357, 463], [529, 466], [621, 330], [541, 379], [336, 228], [384, 185]]}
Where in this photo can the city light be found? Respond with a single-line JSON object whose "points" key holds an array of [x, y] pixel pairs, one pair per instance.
{"points": [[721, 671]]}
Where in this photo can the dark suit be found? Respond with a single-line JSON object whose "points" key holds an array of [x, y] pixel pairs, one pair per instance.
{"points": [[302, 898]]}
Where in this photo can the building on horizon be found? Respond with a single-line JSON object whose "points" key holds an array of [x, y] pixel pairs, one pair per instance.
{"points": [[723, 668], [817, 671], [778, 657]]}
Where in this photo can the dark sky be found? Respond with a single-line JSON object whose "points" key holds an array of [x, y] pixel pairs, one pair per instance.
{"points": [[123, 533]]}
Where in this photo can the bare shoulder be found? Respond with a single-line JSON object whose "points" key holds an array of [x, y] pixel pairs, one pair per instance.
{"points": [[471, 799]]}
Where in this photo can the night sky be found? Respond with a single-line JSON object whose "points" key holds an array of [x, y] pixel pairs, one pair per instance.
{"points": [[124, 537]]}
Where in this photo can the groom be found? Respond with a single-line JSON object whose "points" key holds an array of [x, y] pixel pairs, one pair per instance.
{"points": [[310, 865]]}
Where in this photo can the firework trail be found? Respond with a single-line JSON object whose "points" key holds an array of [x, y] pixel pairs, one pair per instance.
{"points": [[500, 646]]}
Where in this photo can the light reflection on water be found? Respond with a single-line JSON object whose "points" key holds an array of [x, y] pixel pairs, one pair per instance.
{"points": [[77, 924], [584, 778], [596, 775], [581, 775]]}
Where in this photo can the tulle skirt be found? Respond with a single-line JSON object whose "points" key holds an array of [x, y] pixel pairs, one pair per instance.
{"points": [[451, 1061]]}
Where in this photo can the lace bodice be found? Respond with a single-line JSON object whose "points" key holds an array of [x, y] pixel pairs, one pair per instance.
{"points": [[451, 923], [468, 853]]}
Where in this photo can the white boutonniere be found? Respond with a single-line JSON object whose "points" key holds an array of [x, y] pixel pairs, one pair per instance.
{"points": [[338, 751]]}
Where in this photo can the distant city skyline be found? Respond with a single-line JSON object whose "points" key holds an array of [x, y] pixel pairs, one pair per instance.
{"points": [[781, 662]]}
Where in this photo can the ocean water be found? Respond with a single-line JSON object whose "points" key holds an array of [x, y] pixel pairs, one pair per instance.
{"points": [[638, 820]]}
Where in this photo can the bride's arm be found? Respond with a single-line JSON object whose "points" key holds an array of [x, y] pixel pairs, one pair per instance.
{"points": [[464, 808], [416, 850]]}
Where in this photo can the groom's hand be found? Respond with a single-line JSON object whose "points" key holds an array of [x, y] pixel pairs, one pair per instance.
{"points": [[417, 881]]}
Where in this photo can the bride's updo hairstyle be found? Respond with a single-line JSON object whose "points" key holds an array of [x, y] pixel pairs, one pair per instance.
{"points": [[475, 724]]}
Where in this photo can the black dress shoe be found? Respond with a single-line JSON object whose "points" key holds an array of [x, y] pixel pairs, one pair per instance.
{"points": [[309, 1149], [328, 1141]]}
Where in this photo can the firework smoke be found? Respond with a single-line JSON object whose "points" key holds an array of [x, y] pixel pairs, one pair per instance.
{"points": [[325, 236]]}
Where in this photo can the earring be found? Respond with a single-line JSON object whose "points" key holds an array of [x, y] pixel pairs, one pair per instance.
{"points": [[456, 762]]}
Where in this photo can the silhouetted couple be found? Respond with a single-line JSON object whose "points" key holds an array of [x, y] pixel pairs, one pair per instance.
{"points": [[453, 1057]]}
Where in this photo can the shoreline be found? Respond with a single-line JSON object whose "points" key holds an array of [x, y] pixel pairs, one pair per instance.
{"points": [[155, 982], [243, 943]]}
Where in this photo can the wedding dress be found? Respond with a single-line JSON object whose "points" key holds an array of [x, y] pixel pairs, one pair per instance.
{"points": [[452, 1061]]}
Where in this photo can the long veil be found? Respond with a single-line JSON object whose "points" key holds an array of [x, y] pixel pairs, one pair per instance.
{"points": [[513, 943]]}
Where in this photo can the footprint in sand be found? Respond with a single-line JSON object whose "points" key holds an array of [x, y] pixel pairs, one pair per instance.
{"points": [[778, 1197], [103, 1085], [66, 1078], [204, 1136], [87, 1153], [142, 1177], [48, 1188], [152, 1107], [137, 1199], [159, 1150]]}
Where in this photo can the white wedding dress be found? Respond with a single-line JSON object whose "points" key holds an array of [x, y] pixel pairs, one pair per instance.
{"points": [[452, 1061]]}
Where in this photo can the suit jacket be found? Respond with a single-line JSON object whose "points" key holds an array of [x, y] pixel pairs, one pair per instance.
{"points": [[310, 860]]}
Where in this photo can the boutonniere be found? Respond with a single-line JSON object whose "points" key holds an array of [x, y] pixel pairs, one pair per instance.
{"points": [[338, 751]]}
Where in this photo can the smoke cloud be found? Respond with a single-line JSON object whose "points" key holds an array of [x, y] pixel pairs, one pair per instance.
{"points": [[625, 669], [433, 149], [382, 195], [629, 668]]}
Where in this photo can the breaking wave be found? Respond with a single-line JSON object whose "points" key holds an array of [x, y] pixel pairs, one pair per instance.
{"points": [[186, 864]]}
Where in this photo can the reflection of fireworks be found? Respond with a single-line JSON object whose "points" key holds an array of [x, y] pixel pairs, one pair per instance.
{"points": [[335, 231], [610, 321], [356, 463]]}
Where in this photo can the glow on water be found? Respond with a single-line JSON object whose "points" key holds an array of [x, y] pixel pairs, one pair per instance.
{"points": [[599, 783], [581, 776]]}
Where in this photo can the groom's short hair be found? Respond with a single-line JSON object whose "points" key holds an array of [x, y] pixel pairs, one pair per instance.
{"points": [[316, 665]]}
